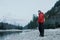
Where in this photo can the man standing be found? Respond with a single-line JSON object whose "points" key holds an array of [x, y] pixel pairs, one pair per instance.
{"points": [[41, 23]]}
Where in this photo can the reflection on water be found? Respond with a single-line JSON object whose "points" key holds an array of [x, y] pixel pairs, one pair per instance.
{"points": [[5, 34]]}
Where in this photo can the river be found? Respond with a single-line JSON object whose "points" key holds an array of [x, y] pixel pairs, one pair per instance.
{"points": [[4, 35]]}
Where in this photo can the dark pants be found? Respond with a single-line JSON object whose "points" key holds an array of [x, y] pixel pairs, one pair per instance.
{"points": [[41, 29]]}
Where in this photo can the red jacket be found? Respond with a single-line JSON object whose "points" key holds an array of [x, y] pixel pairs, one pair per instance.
{"points": [[41, 17]]}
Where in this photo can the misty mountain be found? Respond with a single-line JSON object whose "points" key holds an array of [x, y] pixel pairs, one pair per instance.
{"points": [[9, 26], [53, 16]]}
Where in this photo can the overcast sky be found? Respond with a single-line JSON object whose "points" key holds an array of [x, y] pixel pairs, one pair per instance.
{"points": [[23, 10]]}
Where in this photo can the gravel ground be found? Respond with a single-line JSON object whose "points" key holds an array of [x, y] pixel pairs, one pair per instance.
{"points": [[50, 34]]}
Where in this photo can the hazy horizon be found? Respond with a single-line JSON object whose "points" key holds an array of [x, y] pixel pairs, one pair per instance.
{"points": [[21, 11]]}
